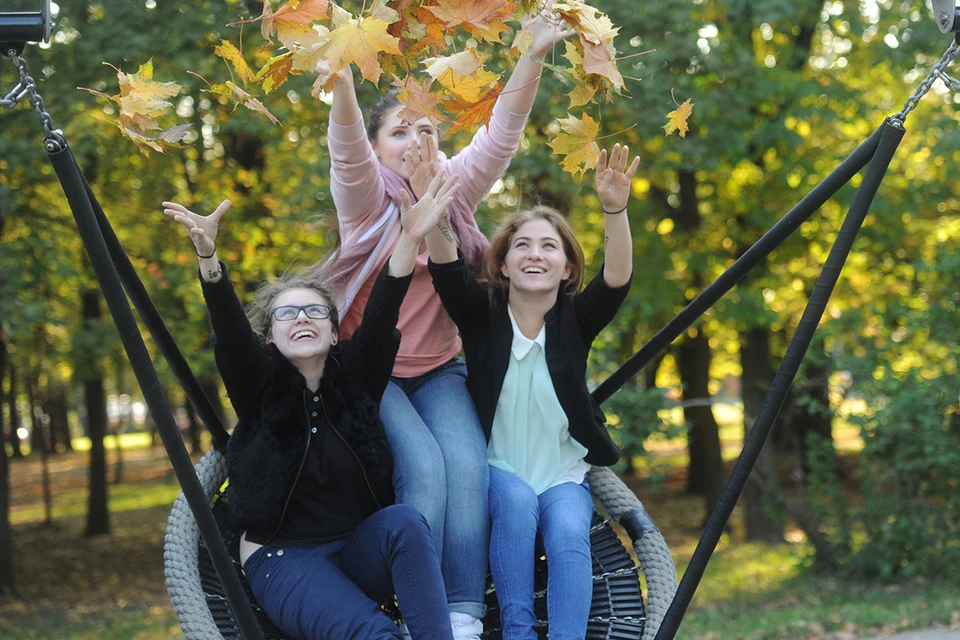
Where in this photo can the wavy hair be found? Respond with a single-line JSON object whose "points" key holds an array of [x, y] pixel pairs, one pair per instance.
{"points": [[258, 311]]}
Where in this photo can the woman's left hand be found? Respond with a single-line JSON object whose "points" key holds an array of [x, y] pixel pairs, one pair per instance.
{"points": [[417, 220], [613, 179]]}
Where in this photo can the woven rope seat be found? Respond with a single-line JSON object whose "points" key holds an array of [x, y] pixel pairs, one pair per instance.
{"points": [[617, 612]]}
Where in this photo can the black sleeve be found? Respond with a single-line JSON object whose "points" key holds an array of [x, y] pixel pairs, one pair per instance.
{"points": [[465, 299], [373, 347], [597, 305], [241, 355]]}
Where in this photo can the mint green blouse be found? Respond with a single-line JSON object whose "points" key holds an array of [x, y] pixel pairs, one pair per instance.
{"points": [[530, 436]]}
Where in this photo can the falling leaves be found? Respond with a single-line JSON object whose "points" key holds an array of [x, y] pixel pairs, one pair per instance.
{"points": [[677, 119], [433, 50], [142, 100], [576, 144]]}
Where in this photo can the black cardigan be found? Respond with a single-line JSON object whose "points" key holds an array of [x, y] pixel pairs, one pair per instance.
{"points": [[267, 447], [571, 325]]}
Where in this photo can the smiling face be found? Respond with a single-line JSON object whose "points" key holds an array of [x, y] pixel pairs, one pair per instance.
{"points": [[303, 338], [394, 137], [535, 261]]}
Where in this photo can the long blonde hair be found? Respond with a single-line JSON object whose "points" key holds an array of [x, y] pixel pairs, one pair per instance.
{"points": [[500, 244]]}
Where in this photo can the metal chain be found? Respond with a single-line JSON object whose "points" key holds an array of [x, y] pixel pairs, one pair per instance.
{"points": [[27, 88], [936, 72]]}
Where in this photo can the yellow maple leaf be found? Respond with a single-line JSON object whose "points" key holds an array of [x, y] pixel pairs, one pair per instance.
{"points": [[466, 114], [576, 144], [600, 59], [360, 41], [231, 54], [483, 19], [235, 94], [292, 23], [583, 89], [677, 119], [142, 100], [464, 63], [588, 22]]}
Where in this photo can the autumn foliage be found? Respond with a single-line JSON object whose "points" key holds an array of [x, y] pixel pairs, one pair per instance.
{"points": [[435, 51]]}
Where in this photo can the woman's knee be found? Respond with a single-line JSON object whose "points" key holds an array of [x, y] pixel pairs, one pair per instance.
{"points": [[511, 495], [406, 523]]}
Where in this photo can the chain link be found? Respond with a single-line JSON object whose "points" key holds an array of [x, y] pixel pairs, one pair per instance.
{"points": [[27, 88], [936, 72]]}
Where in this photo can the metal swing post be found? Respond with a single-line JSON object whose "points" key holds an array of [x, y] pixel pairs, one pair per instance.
{"points": [[96, 245]]}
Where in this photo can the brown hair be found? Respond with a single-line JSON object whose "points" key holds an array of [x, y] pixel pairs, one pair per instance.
{"points": [[387, 103], [258, 311], [500, 245]]}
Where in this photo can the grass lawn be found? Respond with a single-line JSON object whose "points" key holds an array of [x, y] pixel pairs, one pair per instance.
{"points": [[112, 587]]}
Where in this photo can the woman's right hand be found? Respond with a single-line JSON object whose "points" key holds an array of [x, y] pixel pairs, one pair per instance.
{"points": [[417, 220], [202, 229]]}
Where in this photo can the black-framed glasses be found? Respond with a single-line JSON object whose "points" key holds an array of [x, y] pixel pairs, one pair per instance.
{"points": [[287, 313]]}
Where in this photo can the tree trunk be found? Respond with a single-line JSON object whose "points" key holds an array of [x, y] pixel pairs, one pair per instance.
{"points": [[98, 517], [706, 464], [811, 415], [12, 410], [40, 442], [755, 380], [6, 539], [193, 427]]}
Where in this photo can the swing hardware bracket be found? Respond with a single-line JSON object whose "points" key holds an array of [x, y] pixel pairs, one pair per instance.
{"points": [[17, 28], [945, 13]]}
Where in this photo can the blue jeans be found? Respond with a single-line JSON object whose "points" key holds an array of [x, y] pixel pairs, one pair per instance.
{"points": [[440, 469], [561, 515], [332, 591]]}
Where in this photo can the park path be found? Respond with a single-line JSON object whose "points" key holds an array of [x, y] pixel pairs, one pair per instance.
{"points": [[941, 633]]}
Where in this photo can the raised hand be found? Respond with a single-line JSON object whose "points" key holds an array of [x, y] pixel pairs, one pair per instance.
{"points": [[202, 229], [417, 220], [613, 179], [423, 163], [546, 29]]}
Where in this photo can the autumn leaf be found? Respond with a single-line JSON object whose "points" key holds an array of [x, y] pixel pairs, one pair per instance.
{"points": [[583, 89], [235, 94], [466, 114], [142, 100], [231, 54], [576, 144], [293, 22], [483, 19], [417, 100], [591, 25], [360, 41], [677, 119], [600, 59], [275, 71], [461, 74]]}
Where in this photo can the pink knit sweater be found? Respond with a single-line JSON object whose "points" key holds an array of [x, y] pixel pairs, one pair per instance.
{"points": [[367, 198]]}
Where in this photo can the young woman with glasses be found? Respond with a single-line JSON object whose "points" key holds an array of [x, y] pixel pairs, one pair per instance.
{"points": [[310, 467]]}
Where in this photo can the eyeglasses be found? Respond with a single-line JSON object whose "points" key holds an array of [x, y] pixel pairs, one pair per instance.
{"points": [[291, 312]]}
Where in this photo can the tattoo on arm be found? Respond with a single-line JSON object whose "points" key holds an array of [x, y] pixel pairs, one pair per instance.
{"points": [[213, 274], [606, 242], [446, 230]]}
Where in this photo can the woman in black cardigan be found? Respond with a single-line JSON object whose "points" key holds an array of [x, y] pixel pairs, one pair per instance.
{"points": [[309, 465], [527, 331]]}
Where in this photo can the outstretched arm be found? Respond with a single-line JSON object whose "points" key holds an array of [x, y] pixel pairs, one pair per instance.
{"points": [[203, 233], [613, 186], [418, 220], [546, 31]]}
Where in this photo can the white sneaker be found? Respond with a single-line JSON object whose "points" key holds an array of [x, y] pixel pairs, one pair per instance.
{"points": [[465, 626]]}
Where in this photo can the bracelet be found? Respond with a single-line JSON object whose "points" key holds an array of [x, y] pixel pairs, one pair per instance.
{"points": [[613, 213], [212, 253]]}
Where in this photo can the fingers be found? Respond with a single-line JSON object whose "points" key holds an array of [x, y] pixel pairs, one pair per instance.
{"points": [[602, 161], [220, 210], [404, 200]]}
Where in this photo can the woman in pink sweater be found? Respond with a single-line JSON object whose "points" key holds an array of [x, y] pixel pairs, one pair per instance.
{"points": [[438, 445]]}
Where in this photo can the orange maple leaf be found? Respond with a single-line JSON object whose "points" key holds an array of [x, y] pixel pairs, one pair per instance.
{"points": [[483, 19], [360, 41], [576, 144], [467, 114], [293, 21], [417, 100], [677, 119]]}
